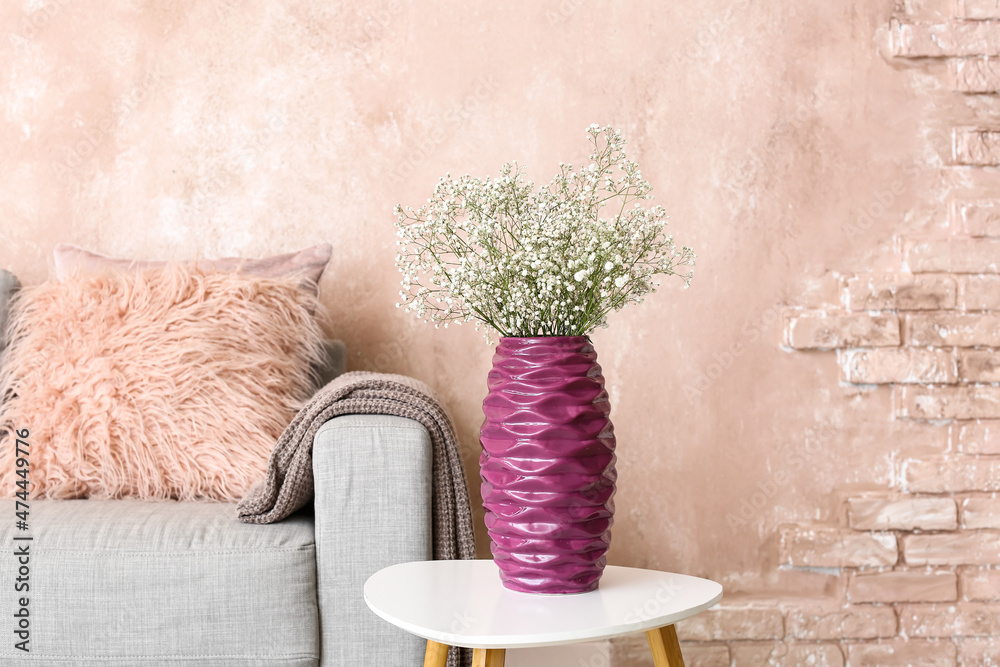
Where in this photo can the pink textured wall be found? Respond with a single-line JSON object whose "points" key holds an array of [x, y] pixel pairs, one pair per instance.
{"points": [[791, 148]]}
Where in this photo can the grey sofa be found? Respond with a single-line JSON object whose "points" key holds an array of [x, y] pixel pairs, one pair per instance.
{"points": [[119, 583]]}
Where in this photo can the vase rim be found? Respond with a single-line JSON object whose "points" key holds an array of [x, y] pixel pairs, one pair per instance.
{"points": [[583, 336]]}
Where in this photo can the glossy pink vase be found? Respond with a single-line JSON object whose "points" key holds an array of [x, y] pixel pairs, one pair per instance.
{"points": [[548, 464]]}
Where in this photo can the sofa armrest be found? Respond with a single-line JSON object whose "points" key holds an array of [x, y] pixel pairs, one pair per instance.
{"points": [[373, 509], [8, 286]]}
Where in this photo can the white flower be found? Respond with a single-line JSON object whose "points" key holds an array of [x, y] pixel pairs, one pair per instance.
{"points": [[468, 255]]}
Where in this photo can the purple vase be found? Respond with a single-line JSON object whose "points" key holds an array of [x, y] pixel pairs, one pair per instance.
{"points": [[548, 464]]}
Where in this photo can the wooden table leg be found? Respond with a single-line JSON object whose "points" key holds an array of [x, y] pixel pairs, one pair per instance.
{"points": [[666, 650], [436, 655], [488, 657]]}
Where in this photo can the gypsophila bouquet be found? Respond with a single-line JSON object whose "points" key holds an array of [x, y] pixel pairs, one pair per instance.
{"points": [[538, 263]]}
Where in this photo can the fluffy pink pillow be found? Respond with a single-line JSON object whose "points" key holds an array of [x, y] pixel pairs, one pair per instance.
{"points": [[309, 264], [162, 383]]}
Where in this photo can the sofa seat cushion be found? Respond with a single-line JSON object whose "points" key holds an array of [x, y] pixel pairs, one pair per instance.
{"points": [[125, 582]]}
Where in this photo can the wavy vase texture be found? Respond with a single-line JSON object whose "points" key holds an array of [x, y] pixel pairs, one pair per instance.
{"points": [[548, 464]]}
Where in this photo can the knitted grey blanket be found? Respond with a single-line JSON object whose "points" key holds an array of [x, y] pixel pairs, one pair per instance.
{"points": [[288, 482]]}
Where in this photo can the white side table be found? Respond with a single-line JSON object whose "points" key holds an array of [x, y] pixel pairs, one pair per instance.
{"points": [[462, 603]]}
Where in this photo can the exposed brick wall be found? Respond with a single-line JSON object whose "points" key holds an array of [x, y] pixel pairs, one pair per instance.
{"points": [[919, 562]]}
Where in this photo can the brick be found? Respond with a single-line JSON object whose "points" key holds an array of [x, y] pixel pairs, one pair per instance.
{"points": [[805, 546], [953, 255], [948, 475], [728, 623], [947, 329], [785, 655], [926, 292], [633, 651], [818, 330], [916, 439], [903, 586], [981, 585], [855, 622], [872, 292], [981, 217], [975, 75], [981, 293], [902, 513], [912, 653], [964, 548], [922, 40], [954, 402], [979, 652], [901, 291], [700, 655], [909, 365], [975, 147], [981, 513], [977, 437], [967, 619], [980, 365], [977, 9]]}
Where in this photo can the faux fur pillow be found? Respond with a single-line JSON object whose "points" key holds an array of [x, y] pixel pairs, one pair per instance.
{"points": [[164, 383], [307, 264]]}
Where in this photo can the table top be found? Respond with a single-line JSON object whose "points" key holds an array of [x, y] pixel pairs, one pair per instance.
{"points": [[463, 603]]}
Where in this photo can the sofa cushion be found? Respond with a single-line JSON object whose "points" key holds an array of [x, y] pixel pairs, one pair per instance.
{"points": [[123, 583]]}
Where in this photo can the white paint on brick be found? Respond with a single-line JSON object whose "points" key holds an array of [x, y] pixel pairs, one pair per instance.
{"points": [[902, 365], [956, 38], [980, 217], [905, 513], [949, 475], [975, 75], [947, 402], [979, 547], [980, 512], [824, 546], [980, 255], [977, 437], [821, 330], [977, 9]]}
